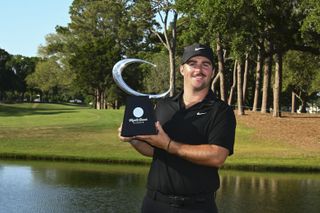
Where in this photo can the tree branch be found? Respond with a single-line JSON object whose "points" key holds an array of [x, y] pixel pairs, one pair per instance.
{"points": [[160, 38]]}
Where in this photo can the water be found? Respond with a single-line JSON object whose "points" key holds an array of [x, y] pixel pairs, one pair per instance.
{"points": [[244, 192], [59, 187], [78, 187]]}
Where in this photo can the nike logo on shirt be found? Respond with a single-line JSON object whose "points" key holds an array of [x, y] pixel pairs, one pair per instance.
{"points": [[201, 113]]}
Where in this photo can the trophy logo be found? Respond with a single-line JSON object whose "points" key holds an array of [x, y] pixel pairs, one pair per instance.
{"points": [[138, 112], [139, 116]]}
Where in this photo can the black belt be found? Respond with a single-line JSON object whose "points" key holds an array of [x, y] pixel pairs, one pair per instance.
{"points": [[179, 201]]}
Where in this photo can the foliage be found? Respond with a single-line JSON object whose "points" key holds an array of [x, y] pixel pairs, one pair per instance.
{"points": [[157, 79], [6, 75], [49, 77], [22, 67], [99, 35], [13, 72], [77, 59], [311, 24], [301, 73]]}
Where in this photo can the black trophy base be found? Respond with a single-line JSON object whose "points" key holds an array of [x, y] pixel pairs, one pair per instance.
{"points": [[138, 117]]}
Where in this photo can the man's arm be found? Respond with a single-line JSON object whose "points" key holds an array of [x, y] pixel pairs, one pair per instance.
{"points": [[142, 147], [205, 154]]}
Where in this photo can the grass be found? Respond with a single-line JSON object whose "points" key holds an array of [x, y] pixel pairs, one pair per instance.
{"points": [[66, 132], [71, 132], [270, 154]]}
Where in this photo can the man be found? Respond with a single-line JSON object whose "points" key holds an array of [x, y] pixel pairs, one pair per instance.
{"points": [[195, 135]]}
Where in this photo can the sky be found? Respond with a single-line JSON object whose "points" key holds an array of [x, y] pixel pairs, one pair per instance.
{"points": [[25, 23]]}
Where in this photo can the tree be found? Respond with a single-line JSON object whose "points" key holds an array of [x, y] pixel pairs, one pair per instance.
{"points": [[4, 58], [50, 78], [22, 67], [170, 41], [239, 88], [230, 26], [234, 82], [157, 78], [277, 85], [6, 75], [94, 44], [301, 75], [201, 20], [100, 33], [257, 81], [284, 30], [267, 68], [310, 28], [161, 19]]}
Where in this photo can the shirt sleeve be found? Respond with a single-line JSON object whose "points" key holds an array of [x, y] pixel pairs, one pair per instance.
{"points": [[222, 129]]}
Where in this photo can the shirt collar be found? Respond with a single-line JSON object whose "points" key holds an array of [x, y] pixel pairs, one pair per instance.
{"points": [[208, 100]]}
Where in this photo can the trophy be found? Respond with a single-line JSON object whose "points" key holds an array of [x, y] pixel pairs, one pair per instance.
{"points": [[139, 118]]}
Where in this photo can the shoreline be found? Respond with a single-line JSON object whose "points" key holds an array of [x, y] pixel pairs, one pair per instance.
{"points": [[227, 166]]}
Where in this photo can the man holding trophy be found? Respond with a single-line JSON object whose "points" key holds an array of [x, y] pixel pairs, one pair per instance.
{"points": [[195, 134]]}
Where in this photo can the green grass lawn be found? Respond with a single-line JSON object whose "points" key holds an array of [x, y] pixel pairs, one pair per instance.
{"points": [[62, 132], [268, 154], [71, 132]]}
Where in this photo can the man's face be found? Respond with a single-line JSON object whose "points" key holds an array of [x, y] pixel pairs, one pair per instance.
{"points": [[197, 73]]}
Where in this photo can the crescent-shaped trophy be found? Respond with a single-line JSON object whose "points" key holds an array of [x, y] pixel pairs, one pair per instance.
{"points": [[117, 71]]}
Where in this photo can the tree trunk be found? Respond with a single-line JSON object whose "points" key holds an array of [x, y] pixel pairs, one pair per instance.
{"points": [[277, 86], [214, 81], [172, 72], [116, 105], [221, 68], [234, 82], [302, 97], [239, 88], [257, 85], [245, 79], [303, 106], [98, 100], [293, 102], [266, 82], [103, 100], [172, 55], [169, 43]]}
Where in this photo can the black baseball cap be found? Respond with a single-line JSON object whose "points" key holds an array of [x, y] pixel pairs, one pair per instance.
{"points": [[197, 50]]}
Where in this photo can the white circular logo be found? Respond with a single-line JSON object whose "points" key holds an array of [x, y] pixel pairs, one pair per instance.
{"points": [[138, 112]]}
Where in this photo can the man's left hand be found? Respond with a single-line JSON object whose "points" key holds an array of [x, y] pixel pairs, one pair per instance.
{"points": [[159, 140]]}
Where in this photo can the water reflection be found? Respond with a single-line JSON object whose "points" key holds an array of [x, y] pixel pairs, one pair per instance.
{"points": [[75, 187], [97, 191], [69, 189], [250, 192]]}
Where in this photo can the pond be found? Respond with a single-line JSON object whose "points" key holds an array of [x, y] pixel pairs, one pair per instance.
{"points": [[83, 187]]}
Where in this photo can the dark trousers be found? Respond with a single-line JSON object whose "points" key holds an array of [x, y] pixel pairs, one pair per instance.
{"points": [[151, 205]]}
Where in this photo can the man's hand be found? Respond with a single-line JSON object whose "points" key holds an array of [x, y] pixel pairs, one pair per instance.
{"points": [[142, 147], [123, 139], [160, 140]]}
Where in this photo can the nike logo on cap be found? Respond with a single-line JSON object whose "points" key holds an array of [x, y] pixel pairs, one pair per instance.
{"points": [[198, 48]]}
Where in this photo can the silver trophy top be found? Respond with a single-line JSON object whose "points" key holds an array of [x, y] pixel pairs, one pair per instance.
{"points": [[117, 71]]}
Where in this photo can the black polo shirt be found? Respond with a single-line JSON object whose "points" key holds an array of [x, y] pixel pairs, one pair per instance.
{"points": [[211, 121]]}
